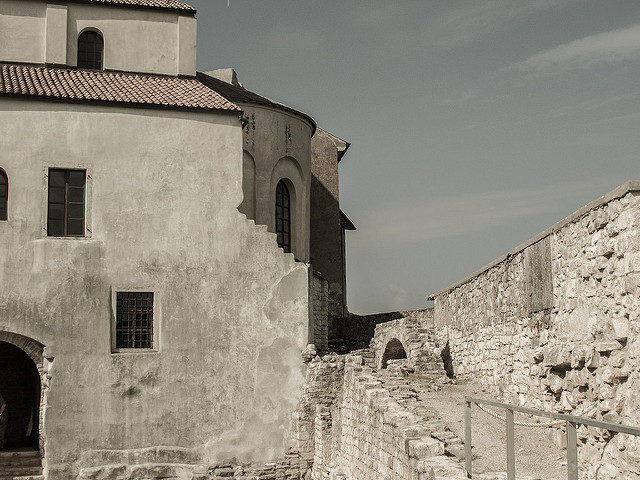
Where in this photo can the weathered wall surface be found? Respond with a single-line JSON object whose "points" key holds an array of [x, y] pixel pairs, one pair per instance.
{"points": [[32, 32], [326, 231], [319, 301], [279, 144], [554, 325], [161, 215]]}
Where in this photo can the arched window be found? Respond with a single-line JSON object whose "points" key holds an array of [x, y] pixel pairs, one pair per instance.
{"points": [[90, 49], [4, 194], [283, 216]]}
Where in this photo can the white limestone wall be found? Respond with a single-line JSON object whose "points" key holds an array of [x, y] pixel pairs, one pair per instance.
{"points": [[562, 337]]}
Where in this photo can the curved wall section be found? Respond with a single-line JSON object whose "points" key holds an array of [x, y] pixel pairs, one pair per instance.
{"points": [[280, 144]]}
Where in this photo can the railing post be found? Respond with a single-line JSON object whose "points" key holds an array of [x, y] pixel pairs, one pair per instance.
{"points": [[511, 451], [467, 439], [572, 451]]}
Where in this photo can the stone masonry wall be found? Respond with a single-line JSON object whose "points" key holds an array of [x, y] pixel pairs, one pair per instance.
{"points": [[416, 333], [320, 311], [371, 424], [554, 325]]}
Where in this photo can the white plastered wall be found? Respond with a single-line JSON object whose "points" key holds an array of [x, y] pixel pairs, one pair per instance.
{"points": [[136, 40]]}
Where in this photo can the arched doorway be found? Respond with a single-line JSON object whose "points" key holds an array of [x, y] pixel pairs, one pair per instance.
{"points": [[20, 387], [393, 351]]}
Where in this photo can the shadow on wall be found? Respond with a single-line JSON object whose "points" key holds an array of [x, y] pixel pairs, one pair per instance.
{"points": [[393, 351], [356, 331], [445, 354]]}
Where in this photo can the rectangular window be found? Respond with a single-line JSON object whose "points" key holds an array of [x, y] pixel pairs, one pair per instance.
{"points": [[134, 320], [65, 215]]}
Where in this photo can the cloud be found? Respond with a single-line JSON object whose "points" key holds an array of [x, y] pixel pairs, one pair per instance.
{"points": [[399, 299], [477, 19], [592, 104], [285, 38], [420, 219], [461, 98], [607, 47], [418, 24]]}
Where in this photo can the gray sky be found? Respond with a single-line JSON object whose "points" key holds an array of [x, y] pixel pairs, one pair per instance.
{"points": [[474, 124]]}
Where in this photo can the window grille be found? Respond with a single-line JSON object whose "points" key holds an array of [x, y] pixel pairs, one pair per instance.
{"points": [[90, 50], [134, 320], [4, 194], [283, 216], [65, 216]]}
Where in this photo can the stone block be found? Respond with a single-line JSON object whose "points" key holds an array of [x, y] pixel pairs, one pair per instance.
{"points": [[425, 447], [557, 356], [607, 346]]}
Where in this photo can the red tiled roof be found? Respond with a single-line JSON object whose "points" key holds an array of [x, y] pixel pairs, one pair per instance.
{"points": [[126, 88], [163, 4]]}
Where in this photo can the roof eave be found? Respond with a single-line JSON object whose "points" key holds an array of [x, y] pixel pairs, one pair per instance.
{"points": [[181, 11]]}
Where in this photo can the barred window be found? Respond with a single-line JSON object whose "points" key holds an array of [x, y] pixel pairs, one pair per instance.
{"points": [[90, 50], [65, 216], [4, 194], [134, 320], [283, 216]]}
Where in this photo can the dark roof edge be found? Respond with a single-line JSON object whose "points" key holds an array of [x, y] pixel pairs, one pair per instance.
{"points": [[619, 192], [341, 154], [190, 12], [210, 82], [345, 222]]}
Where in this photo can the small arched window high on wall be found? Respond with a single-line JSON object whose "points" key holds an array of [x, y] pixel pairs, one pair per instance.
{"points": [[90, 50], [283, 216], [4, 194]]}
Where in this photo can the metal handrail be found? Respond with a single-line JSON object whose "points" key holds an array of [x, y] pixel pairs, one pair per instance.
{"points": [[572, 437]]}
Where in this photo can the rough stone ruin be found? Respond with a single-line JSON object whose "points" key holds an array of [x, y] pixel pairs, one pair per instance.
{"points": [[552, 325]]}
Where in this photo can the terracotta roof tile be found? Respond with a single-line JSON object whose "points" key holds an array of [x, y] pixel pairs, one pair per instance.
{"points": [[162, 4], [127, 88]]}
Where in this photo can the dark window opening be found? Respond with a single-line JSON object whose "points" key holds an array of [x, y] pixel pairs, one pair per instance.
{"points": [[283, 216], [65, 216], [4, 195], [134, 320], [90, 50]]}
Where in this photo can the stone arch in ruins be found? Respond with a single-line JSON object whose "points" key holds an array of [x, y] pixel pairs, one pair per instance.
{"points": [[394, 350]]}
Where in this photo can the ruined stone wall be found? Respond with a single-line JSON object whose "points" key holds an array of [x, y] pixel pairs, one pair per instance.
{"points": [[554, 325], [323, 388], [382, 431], [416, 334], [355, 332], [368, 424]]}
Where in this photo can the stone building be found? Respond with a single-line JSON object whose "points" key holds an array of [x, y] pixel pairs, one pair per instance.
{"points": [[279, 141], [144, 320]]}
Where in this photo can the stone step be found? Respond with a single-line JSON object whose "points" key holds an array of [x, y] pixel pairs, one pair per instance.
{"points": [[10, 454], [20, 461], [20, 470], [28, 477]]}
